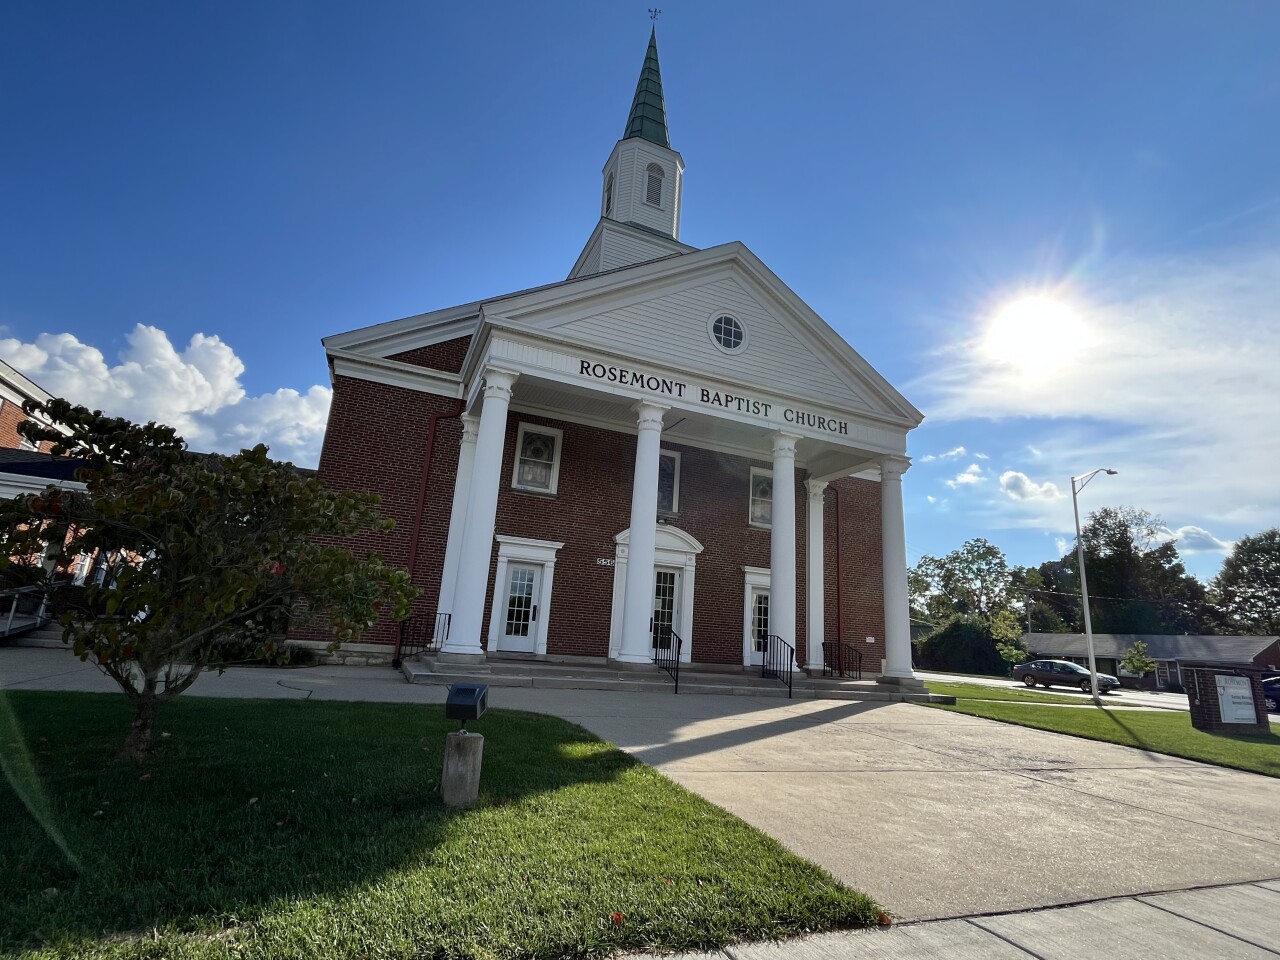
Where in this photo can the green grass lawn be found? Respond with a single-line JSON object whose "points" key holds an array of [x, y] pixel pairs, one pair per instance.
{"points": [[300, 829], [976, 691], [1161, 731]]}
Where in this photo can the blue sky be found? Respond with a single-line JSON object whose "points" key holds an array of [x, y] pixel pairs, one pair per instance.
{"points": [[243, 178]]}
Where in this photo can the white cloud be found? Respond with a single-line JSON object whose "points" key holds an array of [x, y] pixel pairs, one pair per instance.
{"points": [[949, 455], [1176, 390], [196, 391], [1193, 539], [982, 456], [931, 498], [970, 474], [1063, 545], [1021, 487]]}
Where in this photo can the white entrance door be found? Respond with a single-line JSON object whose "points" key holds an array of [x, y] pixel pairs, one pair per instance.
{"points": [[758, 624], [666, 607], [519, 623]]}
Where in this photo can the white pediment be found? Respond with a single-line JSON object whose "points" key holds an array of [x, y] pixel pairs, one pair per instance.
{"points": [[662, 312]]}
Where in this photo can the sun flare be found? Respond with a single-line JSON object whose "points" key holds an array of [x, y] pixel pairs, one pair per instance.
{"points": [[1035, 333]]}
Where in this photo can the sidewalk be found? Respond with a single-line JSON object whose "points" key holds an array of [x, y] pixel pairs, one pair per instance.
{"points": [[1210, 923]]}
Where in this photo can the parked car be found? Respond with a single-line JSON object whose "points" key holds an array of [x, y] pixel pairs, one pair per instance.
{"points": [[1271, 693], [1061, 673]]}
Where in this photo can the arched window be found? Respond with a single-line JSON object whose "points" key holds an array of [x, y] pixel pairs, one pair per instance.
{"points": [[653, 184], [608, 196]]}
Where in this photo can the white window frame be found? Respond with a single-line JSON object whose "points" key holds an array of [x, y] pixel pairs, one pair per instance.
{"points": [[759, 471], [711, 333], [535, 553], [555, 459], [675, 488], [651, 176]]}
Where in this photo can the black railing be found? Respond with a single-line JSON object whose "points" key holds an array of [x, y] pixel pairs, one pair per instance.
{"points": [[668, 658], [779, 661], [841, 659], [420, 634]]}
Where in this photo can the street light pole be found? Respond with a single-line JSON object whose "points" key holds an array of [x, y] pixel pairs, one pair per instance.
{"points": [[1078, 484]]}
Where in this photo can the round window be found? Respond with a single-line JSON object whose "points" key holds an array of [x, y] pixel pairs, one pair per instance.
{"points": [[728, 333]]}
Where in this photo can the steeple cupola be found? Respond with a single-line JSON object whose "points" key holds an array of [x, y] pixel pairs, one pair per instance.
{"points": [[643, 185], [643, 177]]}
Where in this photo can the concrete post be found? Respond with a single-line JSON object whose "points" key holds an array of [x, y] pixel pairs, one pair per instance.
{"points": [[637, 599], [782, 540], [472, 582], [815, 612], [460, 781]]}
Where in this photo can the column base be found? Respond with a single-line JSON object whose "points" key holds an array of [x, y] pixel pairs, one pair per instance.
{"points": [[632, 660], [905, 684], [466, 655]]}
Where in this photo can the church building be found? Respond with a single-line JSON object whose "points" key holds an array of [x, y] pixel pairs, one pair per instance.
{"points": [[667, 453]]}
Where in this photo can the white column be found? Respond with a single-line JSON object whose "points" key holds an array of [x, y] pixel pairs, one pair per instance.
{"points": [[458, 514], [782, 540], [893, 554], [472, 580], [815, 612], [637, 602]]}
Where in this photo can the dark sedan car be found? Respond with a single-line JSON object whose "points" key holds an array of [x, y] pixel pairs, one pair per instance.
{"points": [[1061, 673], [1271, 693]]}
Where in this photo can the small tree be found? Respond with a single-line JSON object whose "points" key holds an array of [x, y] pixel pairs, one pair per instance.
{"points": [[206, 549], [1137, 661], [1008, 638]]}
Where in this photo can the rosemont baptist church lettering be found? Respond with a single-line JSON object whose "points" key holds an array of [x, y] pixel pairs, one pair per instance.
{"points": [[665, 453], [675, 389]]}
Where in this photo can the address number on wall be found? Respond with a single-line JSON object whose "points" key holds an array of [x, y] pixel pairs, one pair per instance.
{"points": [[605, 561]]}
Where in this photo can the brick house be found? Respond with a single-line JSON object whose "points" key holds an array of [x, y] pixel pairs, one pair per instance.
{"points": [[666, 450]]}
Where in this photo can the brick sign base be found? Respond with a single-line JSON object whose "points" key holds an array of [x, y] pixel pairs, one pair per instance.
{"points": [[1206, 713]]}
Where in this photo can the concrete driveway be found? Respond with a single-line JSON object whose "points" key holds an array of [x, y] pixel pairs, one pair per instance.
{"points": [[932, 813]]}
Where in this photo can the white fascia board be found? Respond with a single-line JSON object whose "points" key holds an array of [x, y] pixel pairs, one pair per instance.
{"points": [[16, 484], [22, 387], [397, 336], [395, 374]]}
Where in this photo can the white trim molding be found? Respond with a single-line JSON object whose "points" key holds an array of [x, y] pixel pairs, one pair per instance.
{"points": [[540, 553]]}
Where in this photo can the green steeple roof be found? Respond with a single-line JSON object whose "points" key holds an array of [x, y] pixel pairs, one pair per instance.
{"points": [[648, 119]]}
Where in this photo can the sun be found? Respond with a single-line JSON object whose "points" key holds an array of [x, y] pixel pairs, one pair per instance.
{"points": [[1035, 333]]}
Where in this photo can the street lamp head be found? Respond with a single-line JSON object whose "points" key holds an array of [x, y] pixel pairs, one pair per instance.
{"points": [[1112, 473]]}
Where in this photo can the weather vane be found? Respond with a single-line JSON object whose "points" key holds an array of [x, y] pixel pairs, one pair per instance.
{"points": [[654, 13]]}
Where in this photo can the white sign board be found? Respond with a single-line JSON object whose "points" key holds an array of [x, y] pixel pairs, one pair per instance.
{"points": [[1235, 700]]}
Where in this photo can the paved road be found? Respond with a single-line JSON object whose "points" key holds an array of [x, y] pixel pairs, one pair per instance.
{"points": [[1121, 698], [935, 814]]}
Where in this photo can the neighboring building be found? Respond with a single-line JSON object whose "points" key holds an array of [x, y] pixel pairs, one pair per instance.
{"points": [[1170, 652], [15, 390], [668, 447], [25, 467]]}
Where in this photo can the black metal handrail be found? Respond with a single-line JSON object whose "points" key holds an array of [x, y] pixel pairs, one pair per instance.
{"points": [[420, 634], [668, 658], [779, 661], [841, 659]]}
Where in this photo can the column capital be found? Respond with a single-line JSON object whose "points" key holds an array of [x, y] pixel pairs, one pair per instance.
{"points": [[649, 415], [817, 488], [470, 428], [784, 444], [892, 468], [498, 382]]}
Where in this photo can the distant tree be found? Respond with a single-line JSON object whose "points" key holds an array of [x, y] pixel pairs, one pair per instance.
{"points": [[207, 550], [1136, 659], [1137, 582], [1032, 602], [1008, 637], [973, 581], [1245, 595]]}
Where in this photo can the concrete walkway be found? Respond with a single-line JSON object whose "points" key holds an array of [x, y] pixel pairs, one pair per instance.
{"points": [[935, 814], [1241, 921]]}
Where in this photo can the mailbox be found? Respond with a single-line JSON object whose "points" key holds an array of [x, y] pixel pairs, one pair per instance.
{"points": [[466, 701]]}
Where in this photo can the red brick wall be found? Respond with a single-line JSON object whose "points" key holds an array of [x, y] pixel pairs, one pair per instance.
{"points": [[447, 356], [365, 449], [10, 416]]}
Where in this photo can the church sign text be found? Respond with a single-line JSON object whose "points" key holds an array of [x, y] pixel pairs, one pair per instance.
{"points": [[677, 389]]}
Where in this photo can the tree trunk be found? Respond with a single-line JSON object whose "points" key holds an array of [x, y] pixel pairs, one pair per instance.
{"points": [[138, 743]]}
